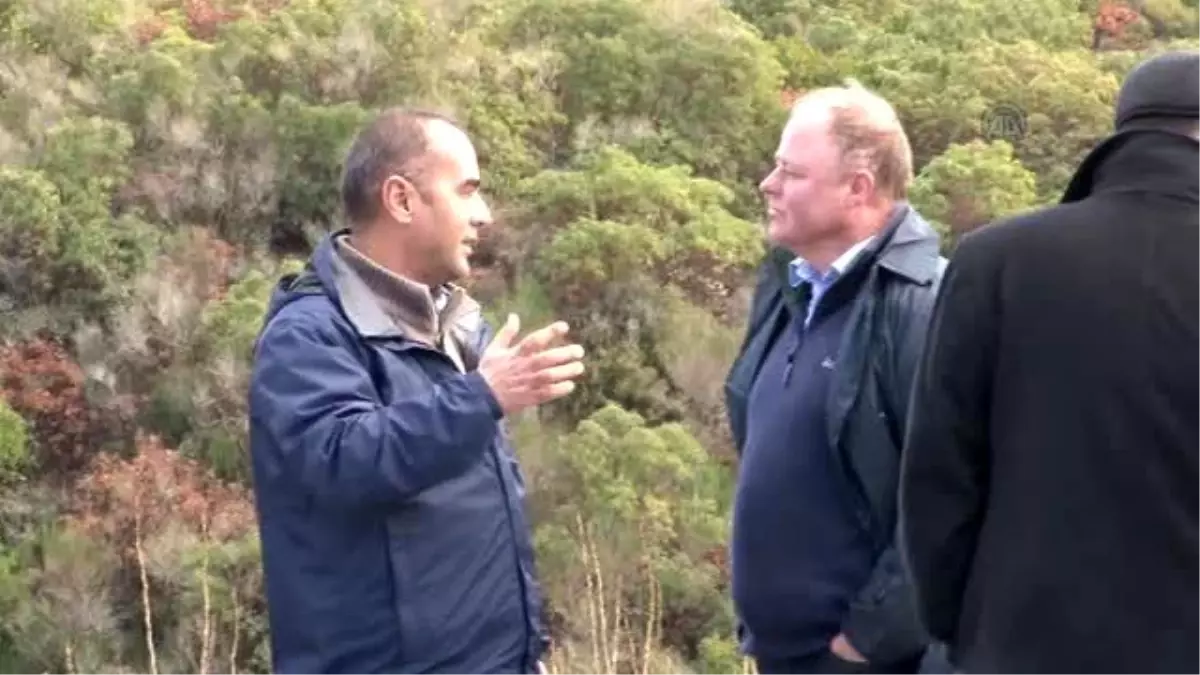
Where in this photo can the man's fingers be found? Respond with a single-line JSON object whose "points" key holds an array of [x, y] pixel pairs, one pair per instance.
{"points": [[506, 334], [542, 338], [555, 357], [535, 394], [553, 391], [549, 376]]}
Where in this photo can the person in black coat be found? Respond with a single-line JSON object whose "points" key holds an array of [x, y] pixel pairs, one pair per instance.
{"points": [[1048, 497]]}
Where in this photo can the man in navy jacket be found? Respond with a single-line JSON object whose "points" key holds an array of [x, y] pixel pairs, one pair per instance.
{"points": [[390, 502], [818, 396]]}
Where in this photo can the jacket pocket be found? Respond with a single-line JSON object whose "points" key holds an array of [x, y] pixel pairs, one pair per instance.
{"points": [[414, 625]]}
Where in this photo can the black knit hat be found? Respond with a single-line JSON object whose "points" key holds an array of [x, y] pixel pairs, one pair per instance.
{"points": [[1163, 86]]}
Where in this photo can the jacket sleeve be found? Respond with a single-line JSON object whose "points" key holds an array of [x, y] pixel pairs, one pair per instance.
{"points": [[882, 623], [314, 398], [943, 482]]}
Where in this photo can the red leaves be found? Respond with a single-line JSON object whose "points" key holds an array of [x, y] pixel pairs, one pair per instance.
{"points": [[204, 20], [43, 385], [155, 487]]}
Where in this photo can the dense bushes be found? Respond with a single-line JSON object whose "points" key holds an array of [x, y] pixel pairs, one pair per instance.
{"points": [[165, 161]]}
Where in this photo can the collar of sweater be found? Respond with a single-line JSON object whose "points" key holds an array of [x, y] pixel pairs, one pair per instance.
{"points": [[420, 312]]}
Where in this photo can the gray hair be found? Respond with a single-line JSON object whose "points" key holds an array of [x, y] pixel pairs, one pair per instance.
{"points": [[394, 142]]}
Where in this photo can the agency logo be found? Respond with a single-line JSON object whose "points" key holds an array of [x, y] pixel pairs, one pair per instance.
{"points": [[1003, 121]]}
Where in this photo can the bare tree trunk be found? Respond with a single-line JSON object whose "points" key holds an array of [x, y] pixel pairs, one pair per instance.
{"points": [[146, 614], [605, 647], [69, 653], [206, 631], [592, 598], [653, 617], [237, 630], [619, 625]]}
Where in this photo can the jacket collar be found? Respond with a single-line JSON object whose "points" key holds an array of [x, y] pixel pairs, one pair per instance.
{"points": [[347, 289], [1143, 160], [907, 246], [910, 247]]}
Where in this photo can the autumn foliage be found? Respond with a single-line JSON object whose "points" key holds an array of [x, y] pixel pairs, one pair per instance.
{"points": [[202, 18], [122, 498], [167, 161], [46, 388], [130, 503]]}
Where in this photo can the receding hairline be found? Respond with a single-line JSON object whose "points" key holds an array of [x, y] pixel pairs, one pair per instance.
{"points": [[395, 140], [860, 122], [851, 97], [425, 121]]}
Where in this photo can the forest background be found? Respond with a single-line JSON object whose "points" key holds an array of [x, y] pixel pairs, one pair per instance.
{"points": [[163, 162]]}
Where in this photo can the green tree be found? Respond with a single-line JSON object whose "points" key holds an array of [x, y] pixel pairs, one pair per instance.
{"points": [[66, 246], [631, 515], [163, 162], [616, 230], [701, 88], [15, 457], [971, 185]]}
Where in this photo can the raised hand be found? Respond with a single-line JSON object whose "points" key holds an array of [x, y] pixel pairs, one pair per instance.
{"points": [[531, 372]]}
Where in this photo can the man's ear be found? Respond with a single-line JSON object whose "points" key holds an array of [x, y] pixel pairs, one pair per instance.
{"points": [[862, 186], [397, 194]]}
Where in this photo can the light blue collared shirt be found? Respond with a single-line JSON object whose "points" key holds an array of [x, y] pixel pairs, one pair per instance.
{"points": [[801, 271]]}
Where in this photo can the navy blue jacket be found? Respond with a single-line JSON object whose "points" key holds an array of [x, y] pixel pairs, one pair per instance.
{"points": [[390, 502], [866, 410]]}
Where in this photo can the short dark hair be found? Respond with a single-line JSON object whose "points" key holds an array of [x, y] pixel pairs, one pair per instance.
{"points": [[395, 141]]}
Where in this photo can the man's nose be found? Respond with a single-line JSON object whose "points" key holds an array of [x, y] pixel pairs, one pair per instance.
{"points": [[482, 217], [767, 186]]}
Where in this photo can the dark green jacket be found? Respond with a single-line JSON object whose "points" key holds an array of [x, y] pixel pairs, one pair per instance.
{"points": [[867, 407]]}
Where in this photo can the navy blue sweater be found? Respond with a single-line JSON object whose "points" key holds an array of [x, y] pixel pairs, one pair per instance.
{"points": [[798, 555]]}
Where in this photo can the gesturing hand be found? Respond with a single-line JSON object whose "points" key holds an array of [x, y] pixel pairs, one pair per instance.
{"points": [[530, 372]]}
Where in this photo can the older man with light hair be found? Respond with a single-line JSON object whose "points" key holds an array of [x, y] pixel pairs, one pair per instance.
{"points": [[818, 396]]}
